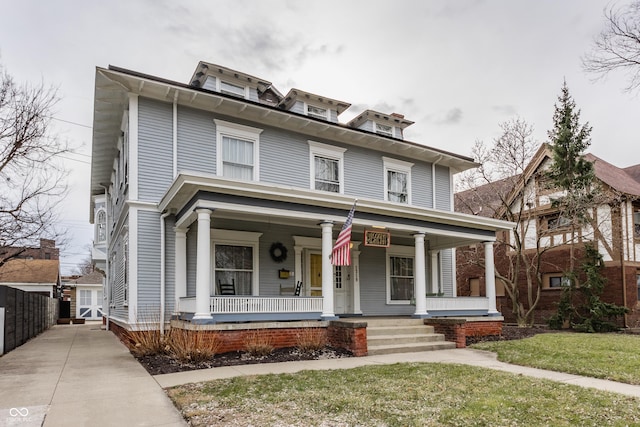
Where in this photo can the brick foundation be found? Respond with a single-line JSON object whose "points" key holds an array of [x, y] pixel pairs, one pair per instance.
{"points": [[351, 336], [457, 330]]}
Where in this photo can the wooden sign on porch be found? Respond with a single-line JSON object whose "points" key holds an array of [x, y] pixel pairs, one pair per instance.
{"points": [[378, 239]]}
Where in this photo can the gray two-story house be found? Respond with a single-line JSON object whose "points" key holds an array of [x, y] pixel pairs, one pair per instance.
{"points": [[220, 200]]}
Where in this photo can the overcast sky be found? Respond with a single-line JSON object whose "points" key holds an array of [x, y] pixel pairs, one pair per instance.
{"points": [[456, 68]]}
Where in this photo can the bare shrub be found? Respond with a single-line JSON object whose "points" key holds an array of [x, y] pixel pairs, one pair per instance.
{"points": [[258, 343], [145, 337], [310, 339], [192, 346]]}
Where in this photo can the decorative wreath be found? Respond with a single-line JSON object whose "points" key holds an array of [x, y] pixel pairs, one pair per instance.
{"points": [[278, 252]]}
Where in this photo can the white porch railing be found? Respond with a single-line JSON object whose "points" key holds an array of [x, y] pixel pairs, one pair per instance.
{"points": [[457, 304], [251, 305]]}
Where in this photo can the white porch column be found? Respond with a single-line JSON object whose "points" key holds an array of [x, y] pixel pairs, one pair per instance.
{"points": [[355, 261], [490, 278], [181, 266], [298, 269], [435, 272], [327, 271], [203, 266], [420, 287]]}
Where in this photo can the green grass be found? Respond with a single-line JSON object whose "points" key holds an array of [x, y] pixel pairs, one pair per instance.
{"points": [[607, 356], [401, 395]]}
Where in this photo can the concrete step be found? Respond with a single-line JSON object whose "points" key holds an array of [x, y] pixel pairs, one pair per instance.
{"points": [[404, 330], [391, 321], [373, 341], [410, 348]]}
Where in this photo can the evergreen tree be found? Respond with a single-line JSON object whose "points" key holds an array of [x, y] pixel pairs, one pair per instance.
{"points": [[570, 172]]}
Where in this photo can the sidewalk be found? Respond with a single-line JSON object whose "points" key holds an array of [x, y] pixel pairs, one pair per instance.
{"points": [[74, 375], [460, 356]]}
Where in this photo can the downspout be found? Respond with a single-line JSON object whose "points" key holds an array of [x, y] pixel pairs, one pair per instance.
{"points": [[107, 243], [162, 271]]}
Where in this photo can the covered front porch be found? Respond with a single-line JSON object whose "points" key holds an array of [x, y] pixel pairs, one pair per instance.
{"points": [[223, 235]]}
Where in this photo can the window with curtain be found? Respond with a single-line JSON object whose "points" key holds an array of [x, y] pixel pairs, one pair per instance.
{"points": [[237, 158], [401, 277], [327, 174], [234, 264], [397, 189]]}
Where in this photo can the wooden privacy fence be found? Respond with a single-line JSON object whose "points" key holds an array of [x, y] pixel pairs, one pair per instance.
{"points": [[23, 315]]}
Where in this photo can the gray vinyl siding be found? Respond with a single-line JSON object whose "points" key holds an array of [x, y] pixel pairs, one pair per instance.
{"points": [[363, 173], [367, 125], [253, 94], [192, 252], [446, 259], [298, 107], [155, 149], [284, 158], [443, 188], [148, 262], [421, 185], [170, 267], [196, 141], [116, 278], [333, 116]]}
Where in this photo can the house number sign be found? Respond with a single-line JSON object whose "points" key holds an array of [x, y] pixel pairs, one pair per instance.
{"points": [[379, 239]]}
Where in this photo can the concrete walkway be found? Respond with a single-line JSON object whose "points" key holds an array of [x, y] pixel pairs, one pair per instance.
{"points": [[460, 356], [76, 375]]}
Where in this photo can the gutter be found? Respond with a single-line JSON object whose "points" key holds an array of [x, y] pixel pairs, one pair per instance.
{"points": [[163, 284]]}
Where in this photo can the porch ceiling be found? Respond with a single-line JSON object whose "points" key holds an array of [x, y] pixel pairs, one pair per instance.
{"points": [[257, 202]]}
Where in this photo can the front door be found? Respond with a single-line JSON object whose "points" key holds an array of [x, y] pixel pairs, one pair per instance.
{"points": [[341, 282]]}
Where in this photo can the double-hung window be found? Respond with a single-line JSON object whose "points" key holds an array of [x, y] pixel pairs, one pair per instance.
{"points": [[101, 226], [400, 275], [327, 167], [384, 130], [237, 151], [397, 180], [235, 261]]}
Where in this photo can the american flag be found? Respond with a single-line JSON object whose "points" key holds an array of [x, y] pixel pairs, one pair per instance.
{"points": [[341, 254]]}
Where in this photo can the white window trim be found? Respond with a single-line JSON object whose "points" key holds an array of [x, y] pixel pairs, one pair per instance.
{"points": [[401, 166], [375, 129], [217, 86], [237, 238], [326, 111], [97, 231], [235, 130], [330, 152], [399, 251]]}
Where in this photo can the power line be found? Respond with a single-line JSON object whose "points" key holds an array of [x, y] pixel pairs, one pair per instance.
{"points": [[72, 123]]}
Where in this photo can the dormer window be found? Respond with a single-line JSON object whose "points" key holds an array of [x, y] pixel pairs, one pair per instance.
{"points": [[384, 130], [101, 226], [231, 89], [317, 112]]}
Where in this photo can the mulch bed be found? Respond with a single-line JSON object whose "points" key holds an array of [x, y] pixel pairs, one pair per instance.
{"points": [[165, 364]]}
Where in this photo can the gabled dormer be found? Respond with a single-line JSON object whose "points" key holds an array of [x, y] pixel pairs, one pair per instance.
{"points": [[391, 125], [316, 106], [235, 83]]}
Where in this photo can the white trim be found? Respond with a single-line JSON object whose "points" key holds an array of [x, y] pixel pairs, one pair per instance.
{"points": [[133, 146], [235, 130], [328, 151], [175, 135], [237, 238], [132, 236], [399, 251], [401, 166]]}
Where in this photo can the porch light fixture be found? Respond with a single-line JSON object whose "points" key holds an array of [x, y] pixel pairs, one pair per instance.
{"points": [[379, 227]]}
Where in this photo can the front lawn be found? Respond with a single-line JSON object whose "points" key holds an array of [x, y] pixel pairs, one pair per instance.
{"points": [[608, 356], [400, 395]]}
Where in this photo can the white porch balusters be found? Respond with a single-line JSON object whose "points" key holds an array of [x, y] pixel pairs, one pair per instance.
{"points": [[420, 289], [203, 266], [327, 271], [435, 272], [181, 265], [490, 278]]}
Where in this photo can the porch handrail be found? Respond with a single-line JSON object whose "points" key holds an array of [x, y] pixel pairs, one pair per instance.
{"points": [[264, 304]]}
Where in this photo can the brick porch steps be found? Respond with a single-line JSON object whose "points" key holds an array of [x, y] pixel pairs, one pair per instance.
{"points": [[386, 336]]}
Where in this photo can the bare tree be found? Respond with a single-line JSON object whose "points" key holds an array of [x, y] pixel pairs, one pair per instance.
{"points": [[31, 175], [498, 189], [617, 47], [85, 266]]}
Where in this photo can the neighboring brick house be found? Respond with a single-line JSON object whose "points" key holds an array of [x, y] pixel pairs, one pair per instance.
{"points": [[617, 235], [46, 250]]}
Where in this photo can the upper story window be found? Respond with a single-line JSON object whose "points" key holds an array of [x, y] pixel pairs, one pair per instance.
{"points": [[384, 129], [554, 223], [327, 167], [101, 226], [231, 89], [237, 151], [397, 180], [317, 112]]}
